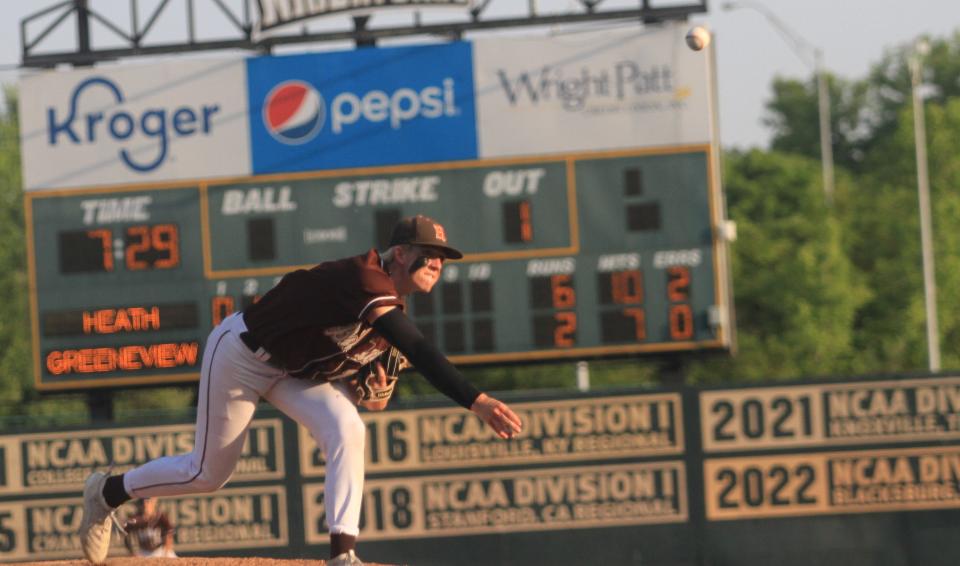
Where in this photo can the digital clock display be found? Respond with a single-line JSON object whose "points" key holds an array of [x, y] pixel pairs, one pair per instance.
{"points": [[135, 247]]}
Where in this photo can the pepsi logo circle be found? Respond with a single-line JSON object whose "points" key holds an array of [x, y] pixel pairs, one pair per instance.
{"points": [[293, 112]]}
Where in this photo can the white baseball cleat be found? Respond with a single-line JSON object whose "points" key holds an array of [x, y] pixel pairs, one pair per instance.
{"points": [[348, 558], [96, 526]]}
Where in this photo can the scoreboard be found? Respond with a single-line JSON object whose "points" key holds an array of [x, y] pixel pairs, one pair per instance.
{"points": [[569, 256]]}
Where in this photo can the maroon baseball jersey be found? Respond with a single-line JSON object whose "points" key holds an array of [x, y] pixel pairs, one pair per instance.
{"points": [[312, 322]]}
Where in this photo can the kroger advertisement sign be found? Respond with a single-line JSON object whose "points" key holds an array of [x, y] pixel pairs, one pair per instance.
{"points": [[168, 121], [365, 107]]}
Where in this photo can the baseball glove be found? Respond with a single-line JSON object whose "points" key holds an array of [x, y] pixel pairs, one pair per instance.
{"points": [[367, 385]]}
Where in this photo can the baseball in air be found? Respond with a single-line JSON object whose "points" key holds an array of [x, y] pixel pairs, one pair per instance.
{"points": [[698, 37]]}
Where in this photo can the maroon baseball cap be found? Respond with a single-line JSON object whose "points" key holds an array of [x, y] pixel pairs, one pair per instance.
{"points": [[420, 230]]}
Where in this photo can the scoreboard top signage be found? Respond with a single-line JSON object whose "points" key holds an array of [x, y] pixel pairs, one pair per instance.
{"points": [[583, 192], [205, 119]]}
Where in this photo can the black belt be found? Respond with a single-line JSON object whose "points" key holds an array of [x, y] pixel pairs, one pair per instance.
{"points": [[254, 345], [251, 342]]}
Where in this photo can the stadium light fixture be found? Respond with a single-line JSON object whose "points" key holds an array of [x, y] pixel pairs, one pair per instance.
{"points": [[920, 50]]}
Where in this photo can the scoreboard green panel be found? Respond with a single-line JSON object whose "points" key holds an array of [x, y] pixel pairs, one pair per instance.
{"points": [[566, 256]]}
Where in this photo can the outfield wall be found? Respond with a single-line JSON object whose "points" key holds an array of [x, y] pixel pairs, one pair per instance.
{"points": [[855, 472]]}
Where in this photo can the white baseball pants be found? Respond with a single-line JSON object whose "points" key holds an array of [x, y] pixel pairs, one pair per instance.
{"points": [[232, 380]]}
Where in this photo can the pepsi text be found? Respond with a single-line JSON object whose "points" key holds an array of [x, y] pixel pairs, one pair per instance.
{"points": [[398, 107]]}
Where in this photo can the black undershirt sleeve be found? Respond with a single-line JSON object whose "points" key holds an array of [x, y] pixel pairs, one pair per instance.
{"points": [[400, 331]]}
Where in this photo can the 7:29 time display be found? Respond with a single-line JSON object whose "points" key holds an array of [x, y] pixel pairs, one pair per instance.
{"points": [[137, 247]]}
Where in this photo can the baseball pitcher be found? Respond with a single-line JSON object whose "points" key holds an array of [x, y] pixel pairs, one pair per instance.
{"points": [[319, 343]]}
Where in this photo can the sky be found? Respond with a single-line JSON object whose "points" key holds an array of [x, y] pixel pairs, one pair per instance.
{"points": [[853, 35]]}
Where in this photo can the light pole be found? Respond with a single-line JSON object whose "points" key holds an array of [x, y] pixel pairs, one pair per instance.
{"points": [[923, 193], [803, 49]]}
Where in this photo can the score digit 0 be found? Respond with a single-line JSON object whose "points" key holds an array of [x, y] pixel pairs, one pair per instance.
{"points": [[626, 287]]}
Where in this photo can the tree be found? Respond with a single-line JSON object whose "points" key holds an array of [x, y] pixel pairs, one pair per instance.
{"points": [[883, 221], [864, 113], [793, 115], [20, 403], [15, 351], [874, 142], [796, 292]]}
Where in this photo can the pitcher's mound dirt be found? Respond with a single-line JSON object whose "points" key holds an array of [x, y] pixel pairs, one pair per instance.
{"points": [[194, 561]]}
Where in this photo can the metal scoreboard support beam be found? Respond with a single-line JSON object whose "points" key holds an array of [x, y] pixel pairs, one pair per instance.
{"points": [[135, 35]]}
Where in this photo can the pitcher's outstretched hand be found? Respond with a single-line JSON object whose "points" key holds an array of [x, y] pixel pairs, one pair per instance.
{"points": [[497, 415]]}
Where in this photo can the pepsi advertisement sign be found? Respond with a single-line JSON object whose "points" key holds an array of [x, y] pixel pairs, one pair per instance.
{"points": [[361, 108]]}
